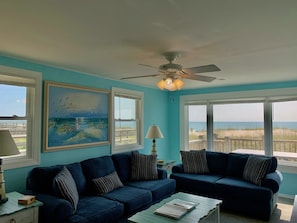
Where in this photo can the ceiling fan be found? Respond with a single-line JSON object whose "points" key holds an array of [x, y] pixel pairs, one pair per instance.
{"points": [[173, 73]]}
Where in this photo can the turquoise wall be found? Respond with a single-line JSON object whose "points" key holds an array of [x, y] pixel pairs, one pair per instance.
{"points": [[155, 112], [160, 108]]}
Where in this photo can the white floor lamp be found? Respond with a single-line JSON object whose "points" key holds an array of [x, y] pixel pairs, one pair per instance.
{"points": [[154, 133], [7, 148]]}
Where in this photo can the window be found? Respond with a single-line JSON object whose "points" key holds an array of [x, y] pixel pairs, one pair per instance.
{"points": [[197, 134], [20, 101], [243, 123], [284, 124], [238, 127], [127, 120]]}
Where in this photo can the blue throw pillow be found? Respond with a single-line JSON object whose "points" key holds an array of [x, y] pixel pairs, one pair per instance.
{"points": [[65, 186], [107, 183], [256, 169]]}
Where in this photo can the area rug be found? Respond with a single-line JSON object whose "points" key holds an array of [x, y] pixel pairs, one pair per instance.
{"points": [[282, 214]]}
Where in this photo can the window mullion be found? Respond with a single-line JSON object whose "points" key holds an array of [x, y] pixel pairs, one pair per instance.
{"points": [[209, 120], [268, 134]]}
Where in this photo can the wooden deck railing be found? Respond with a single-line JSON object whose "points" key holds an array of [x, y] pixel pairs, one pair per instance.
{"points": [[284, 149]]}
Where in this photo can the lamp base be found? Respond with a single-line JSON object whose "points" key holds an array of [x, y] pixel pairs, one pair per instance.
{"points": [[2, 201]]}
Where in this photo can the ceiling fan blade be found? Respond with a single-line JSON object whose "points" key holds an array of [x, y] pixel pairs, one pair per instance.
{"points": [[141, 64], [152, 75], [197, 77], [202, 69]]}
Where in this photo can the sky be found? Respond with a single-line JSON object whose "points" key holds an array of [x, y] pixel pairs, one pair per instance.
{"points": [[253, 112]]}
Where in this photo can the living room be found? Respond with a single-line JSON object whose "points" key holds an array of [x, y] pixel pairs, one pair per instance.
{"points": [[163, 108]]}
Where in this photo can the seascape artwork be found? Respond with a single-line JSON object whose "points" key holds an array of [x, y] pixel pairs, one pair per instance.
{"points": [[76, 117]]}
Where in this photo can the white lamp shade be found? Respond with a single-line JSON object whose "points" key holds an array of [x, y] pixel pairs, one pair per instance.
{"points": [[154, 132], [7, 144]]}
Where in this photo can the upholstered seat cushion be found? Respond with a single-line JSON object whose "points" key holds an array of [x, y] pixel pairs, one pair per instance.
{"points": [[235, 187], [203, 183], [160, 189], [94, 209], [134, 199]]}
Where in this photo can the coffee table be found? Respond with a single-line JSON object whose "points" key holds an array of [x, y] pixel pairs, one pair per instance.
{"points": [[206, 207]]}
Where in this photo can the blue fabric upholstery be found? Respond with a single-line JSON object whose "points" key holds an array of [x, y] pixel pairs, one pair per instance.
{"points": [[225, 181], [78, 176], [97, 209], [38, 183], [202, 183], [217, 162], [97, 167], [134, 199], [113, 207], [122, 164], [236, 164], [159, 188]]}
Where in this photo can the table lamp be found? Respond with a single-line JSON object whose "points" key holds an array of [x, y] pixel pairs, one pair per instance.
{"points": [[7, 148], [154, 133]]}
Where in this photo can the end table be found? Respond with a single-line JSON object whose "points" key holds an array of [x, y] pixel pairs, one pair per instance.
{"points": [[12, 212]]}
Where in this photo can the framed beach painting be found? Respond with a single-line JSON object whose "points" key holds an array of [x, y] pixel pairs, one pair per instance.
{"points": [[75, 116]]}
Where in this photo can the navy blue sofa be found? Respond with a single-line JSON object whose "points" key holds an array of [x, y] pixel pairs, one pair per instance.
{"points": [[114, 206], [225, 181]]}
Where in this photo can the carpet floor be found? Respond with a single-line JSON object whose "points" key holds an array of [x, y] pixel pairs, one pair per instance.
{"points": [[282, 214]]}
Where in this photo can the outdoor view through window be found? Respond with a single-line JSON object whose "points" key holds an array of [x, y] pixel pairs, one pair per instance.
{"points": [[239, 128], [13, 114]]}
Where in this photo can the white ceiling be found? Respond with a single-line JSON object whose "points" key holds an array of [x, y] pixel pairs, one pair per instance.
{"points": [[252, 41]]}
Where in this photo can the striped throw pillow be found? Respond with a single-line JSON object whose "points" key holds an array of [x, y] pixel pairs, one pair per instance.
{"points": [[144, 167], [107, 183], [194, 161], [256, 169], [65, 185]]}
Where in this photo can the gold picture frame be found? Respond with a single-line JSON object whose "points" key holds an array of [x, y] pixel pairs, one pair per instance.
{"points": [[75, 116]]}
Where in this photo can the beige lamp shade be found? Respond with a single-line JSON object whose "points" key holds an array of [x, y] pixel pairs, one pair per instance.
{"points": [[154, 132], [7, 144]]}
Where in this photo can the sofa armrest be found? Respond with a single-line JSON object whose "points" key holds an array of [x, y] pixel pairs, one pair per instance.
{"points": [[273, 181], [54, 209], [162, 174], [179, 168]]}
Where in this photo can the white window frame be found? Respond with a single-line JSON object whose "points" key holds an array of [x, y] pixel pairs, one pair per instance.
{"points": [[139, 114], [265, 96], [21, 77]]}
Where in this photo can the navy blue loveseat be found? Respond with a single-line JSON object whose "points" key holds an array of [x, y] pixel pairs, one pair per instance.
{"points": [[114, 206], [224, 180]]}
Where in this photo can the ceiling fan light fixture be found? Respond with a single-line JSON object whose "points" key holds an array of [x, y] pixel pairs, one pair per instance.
{"points": [[170, 84], [161, 84], [179, 84]]}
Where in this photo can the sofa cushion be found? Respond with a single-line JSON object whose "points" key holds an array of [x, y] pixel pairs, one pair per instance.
{"points": [[236, 164], [194, 161], [122, 164], [160, 189], [202, 184], [38, 183], [107, 183], [97, 209], [134, 199], [78, 176], [256, 169], [97, 167], [232, 187], [65, 186], [144, 167], [217, 162]]}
